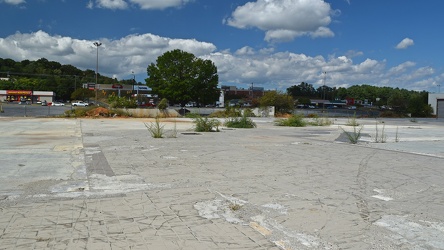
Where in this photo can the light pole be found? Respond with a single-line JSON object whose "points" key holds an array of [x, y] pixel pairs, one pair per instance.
{"points": [[97, 44], [325, 77]]}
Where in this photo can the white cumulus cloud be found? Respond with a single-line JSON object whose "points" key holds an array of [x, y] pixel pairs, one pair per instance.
{"points": [[13, 2], [159, 4], [116, 57], [405, 43], [264, 67], [112, 4], [142, 4], [284, 20]]}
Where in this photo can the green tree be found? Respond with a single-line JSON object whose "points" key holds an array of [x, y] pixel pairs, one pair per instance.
{"points": [[163, 104], [398, 101], [82, 94], [418, 105], [302, 90], [181, 77], [283, 103]]}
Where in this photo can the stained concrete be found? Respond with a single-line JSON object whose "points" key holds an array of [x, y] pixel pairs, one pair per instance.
{"points": [[107, 184]]}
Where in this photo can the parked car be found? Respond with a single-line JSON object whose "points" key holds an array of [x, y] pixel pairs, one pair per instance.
{"points": [[80, 104], [57, 104], [352, 107]]}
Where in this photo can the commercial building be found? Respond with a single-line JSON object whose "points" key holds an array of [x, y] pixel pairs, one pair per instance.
{"points": [[26, 96], [436, 101]]}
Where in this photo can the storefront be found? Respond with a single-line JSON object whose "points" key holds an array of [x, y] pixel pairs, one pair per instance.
{"points": [[26, 96]]}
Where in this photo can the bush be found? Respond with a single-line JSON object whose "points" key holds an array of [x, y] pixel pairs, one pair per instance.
{"points": [[156, 129], [390, 114], [78, 112], [163, 104], [240, 122], [320, 121], [192, 115], [206, 125], [228, 112], [94, 111], [282, 102], [353, 137], [121, 102], [292, 121]]}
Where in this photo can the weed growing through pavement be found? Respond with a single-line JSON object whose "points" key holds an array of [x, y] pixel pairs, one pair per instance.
{"points": [[174, 133], [354, 136], [353, 121], [234, 207], [380, 138], [206, 125], [320, 121], [292, 121], [156, 129], [240, 122]]}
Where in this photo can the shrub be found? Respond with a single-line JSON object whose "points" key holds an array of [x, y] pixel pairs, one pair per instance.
{"points": [[78, 112], [228, 112], [121, 102], [206, 125], [163, 104], [156, 129], [292, 121], [352, 122], [282, 102], [248, 112], [192, 115], [390, 114], [240, 122], [320, 121], [354, 136]]}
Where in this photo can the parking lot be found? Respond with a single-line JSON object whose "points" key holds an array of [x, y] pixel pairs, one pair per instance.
{"points": [[31, 110], [107, 184]]}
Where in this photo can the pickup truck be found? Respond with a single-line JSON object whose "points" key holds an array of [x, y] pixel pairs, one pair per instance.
{"points": [[80, 104]]}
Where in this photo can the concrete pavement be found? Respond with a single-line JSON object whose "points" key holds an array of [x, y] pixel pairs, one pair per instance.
{"points": [[107, 184]]}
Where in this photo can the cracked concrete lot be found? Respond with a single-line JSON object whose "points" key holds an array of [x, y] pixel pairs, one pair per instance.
{"points": [[107, 184]]}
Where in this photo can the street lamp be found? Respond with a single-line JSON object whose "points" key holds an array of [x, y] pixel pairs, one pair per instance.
{"points": [[97, 44]]}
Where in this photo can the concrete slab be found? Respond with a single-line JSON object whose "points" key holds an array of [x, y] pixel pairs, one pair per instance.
{"points": [[106, 183]]}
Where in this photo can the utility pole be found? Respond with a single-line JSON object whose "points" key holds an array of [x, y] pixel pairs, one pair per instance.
{"points": [[97, 44], [323, 88]]}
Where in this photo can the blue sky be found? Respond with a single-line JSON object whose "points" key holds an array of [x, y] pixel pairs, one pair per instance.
{"points": [[271, 43]]}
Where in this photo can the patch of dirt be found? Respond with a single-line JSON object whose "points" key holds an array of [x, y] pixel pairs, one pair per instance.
{"points": [[99, 111]]}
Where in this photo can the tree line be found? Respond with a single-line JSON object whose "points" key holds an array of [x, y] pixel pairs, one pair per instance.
{"points": [[399, 100], [45, 75], [180, 77]]}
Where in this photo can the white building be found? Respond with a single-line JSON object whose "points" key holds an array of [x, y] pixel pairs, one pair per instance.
{"points": [[436, 100]]}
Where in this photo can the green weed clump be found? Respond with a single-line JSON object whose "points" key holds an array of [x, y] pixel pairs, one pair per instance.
{"points": [[292, 121], [240, 122], [353, 121], [354, 136], [156, 129], [78, 111], [320, 121], [203, 124], [380, 137], [192, 115], [228, 112]]}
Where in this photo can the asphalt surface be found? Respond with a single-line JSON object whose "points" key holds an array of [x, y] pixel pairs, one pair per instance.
{"points": [[107, 184], [31, 110]]}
